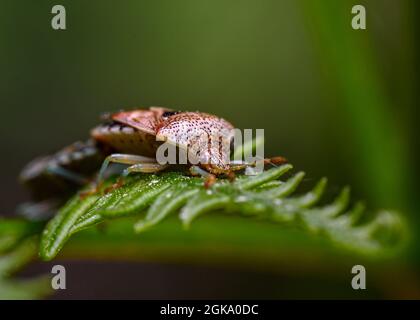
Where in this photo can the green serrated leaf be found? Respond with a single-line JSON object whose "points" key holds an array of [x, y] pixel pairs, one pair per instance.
{"points": [[310, 198], [134, 198], [169, 202], [202, 202], [27, 289], [58, 229], [283, 189], [13, 230], [262, 196], [19, 257], [249, 182]]}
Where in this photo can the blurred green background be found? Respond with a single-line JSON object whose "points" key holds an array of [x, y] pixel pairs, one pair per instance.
{"points": [[335, 101]]}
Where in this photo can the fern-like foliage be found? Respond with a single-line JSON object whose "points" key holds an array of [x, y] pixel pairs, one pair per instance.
{"points": [[153, 197], [18, 246]]}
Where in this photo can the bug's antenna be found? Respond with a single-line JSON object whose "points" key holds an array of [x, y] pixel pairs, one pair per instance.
{"points": [[275, 161]]}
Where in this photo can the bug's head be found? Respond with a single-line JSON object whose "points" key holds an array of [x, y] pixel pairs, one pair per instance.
{"points": [[168, 114]]}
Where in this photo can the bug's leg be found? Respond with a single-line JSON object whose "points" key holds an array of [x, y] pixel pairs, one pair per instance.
{"points": [[239, 165], [197, 171], [210, 178], [209, 181], [138, 167], [67, 174], [231, 175], [145, 168], [123, 159], [275, 161], [249, 166]]}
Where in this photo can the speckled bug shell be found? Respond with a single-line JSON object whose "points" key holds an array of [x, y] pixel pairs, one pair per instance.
{"points": [[143, 131], [206, 138]]}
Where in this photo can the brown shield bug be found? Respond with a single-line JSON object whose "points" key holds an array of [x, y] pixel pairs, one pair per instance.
{"points": [[133, 138]]}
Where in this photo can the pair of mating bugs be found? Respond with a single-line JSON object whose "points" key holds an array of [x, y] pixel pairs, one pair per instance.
{"points": [[132, 138]]}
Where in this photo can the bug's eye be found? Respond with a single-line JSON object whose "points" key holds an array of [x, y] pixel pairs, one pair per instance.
{"points": [[169, 113]]}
